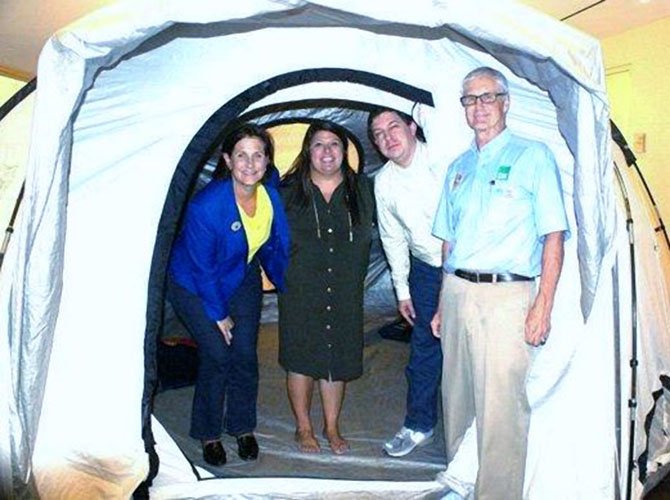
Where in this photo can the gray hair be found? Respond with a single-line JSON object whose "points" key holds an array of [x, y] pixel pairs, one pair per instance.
{"points": [[494, 74]]}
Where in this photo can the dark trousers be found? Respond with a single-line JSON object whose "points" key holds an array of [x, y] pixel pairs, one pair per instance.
{"points": [[424, 370], [227, 374]]}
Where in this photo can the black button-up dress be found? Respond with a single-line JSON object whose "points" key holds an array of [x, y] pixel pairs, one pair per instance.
{"points": [[321, 310]]}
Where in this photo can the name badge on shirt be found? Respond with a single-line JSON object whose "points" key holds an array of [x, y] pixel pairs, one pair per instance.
{"points": [[503, 172]]}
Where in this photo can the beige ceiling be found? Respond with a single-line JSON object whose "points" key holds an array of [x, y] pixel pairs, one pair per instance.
{"points": [[604, 18], [26, 24]]}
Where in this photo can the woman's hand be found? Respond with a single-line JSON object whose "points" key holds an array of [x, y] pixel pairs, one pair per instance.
{"points": [[436, 324], [226, 326]]}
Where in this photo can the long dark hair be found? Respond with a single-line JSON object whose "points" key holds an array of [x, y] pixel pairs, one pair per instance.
{"points": [[299, 172], [240, 132]]}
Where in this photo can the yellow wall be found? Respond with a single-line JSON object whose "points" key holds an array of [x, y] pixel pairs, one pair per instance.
{"points": [[14, 140], [637, 63]]}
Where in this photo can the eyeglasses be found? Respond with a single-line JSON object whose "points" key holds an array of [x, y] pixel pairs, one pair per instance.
{"points": [[485, 98]]}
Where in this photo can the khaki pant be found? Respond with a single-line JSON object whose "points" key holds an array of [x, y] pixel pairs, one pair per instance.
{"points": [[485, 367]]}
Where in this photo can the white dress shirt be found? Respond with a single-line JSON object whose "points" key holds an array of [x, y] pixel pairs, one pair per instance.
{"points": [[407, 199]]}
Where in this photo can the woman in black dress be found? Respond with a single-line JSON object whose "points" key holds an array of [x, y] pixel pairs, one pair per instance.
{"points": [[330, 211]]}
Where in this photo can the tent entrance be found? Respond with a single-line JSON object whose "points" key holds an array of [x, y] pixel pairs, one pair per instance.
{"points": [[192, 172]]}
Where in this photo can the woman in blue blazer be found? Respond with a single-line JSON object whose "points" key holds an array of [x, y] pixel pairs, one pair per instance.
{"points": [[232, 226]]}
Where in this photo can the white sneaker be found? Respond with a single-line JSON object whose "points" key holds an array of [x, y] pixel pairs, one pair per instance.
{"points": [[405, 441]]}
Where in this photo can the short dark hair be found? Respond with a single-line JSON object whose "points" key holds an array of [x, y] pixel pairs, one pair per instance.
{"points": [[378, 110], [243, 131]]}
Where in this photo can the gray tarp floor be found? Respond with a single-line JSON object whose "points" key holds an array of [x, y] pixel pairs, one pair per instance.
{"points": [[374, 409]]}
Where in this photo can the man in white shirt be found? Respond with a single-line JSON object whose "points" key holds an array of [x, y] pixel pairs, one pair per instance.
{"points": [[407, 191]]}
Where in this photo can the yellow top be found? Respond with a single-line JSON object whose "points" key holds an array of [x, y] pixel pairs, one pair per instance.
{"points": [[257, 227]]}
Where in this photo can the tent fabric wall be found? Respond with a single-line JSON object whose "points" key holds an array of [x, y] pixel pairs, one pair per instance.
{"points": [[121, 95]]}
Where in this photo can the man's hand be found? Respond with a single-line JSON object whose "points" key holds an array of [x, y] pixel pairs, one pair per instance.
{"points": [[226, 325], [538, 323], [406, 309], [436, 322], [538, 319]]}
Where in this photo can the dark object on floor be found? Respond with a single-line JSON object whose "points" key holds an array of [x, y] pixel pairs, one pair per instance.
{"points": [[213, 453], [177, 364], [399, 330], [247, 447]]}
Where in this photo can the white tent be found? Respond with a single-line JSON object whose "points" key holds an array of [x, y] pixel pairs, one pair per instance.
{"points": [[130, 103]]}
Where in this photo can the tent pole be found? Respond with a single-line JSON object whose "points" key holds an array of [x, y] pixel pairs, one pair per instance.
{"points": [[661, 226], [616, 302], [6, 107], [632, 400], [631, 160], [16, 99], [10, 228]]}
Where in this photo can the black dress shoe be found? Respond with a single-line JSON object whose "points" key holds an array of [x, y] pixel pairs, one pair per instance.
{"points": [[247, 447], [213, 453]]}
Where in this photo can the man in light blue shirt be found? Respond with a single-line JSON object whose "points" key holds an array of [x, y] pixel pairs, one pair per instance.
{"points": [[502, 220]]}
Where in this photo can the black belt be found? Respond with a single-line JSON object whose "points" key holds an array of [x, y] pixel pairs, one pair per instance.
{"points": [[490, 278]]}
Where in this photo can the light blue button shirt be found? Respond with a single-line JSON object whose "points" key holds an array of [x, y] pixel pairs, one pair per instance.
{"points": [[497, 204]]}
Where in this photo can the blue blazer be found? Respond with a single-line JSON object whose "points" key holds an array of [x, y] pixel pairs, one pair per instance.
{"points": [[209, 256]]}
